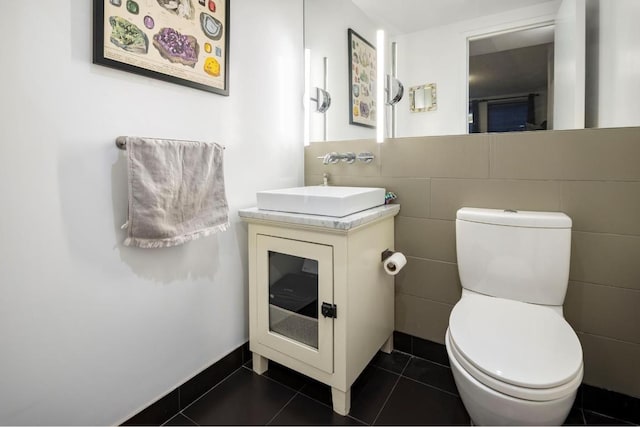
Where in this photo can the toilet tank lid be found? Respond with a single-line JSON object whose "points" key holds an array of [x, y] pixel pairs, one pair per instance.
{"points": [[515, 218]]}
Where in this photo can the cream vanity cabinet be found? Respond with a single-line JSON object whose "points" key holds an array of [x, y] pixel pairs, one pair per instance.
{"points": [[319, 299]]}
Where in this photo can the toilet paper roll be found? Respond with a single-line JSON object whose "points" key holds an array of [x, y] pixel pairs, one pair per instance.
{"points": [[394, 263]]}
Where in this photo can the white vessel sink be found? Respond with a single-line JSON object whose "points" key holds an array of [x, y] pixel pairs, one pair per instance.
{"points": [[321, 200]]}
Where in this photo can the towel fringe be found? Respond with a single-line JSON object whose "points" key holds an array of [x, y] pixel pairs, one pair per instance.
{"points": [[174, 241]]}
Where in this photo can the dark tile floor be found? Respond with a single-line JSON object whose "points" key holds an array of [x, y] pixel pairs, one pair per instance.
{"points": [[395, 389]]}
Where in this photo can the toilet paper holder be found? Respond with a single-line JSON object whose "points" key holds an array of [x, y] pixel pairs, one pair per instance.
{"points": [[392, 261], [386, 254]]}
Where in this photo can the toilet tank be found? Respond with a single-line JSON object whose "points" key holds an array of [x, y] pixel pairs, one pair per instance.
{"points": [[518, 255]]}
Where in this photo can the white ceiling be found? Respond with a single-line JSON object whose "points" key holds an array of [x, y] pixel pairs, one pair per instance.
{"points": [[408, 16]]}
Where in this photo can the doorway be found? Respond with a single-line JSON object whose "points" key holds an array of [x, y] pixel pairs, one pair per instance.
{"points": [[511, 81]]}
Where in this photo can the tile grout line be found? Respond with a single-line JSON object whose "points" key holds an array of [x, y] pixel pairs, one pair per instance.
{"points": [[627, 422], [394, 372], [392, 390], [208, 390], [442, 365], [430, 386], [426, 299], [607, 338], [282, 409], [604, 285], [188, 418], [386, 400], [427, 384], [386, 370], [406, 365], [433, 260]]}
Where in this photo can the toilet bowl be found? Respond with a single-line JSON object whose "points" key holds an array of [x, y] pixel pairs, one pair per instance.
{"points": [[514, 358], [520, 364]]}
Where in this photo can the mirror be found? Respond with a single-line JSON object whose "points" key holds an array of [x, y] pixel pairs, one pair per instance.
{"points": [[433, 40], [510, 77], [422, 98]]}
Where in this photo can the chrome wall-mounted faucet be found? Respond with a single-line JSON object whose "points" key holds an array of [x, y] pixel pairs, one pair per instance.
{"points": [[349, 157], [334, 157]]}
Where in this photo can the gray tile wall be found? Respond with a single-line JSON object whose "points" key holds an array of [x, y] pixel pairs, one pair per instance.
{"points": [[592, 175]]}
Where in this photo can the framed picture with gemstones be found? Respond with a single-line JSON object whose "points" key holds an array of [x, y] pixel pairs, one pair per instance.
{"points": [[179, 41], [362, 81]]}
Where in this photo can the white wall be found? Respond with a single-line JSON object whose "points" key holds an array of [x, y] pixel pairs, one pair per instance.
{"points": [[613, 67], [326, 25], [439, 55], [92, 331]]}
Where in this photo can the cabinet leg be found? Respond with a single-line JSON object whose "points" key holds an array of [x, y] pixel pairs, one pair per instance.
{"points": [[387, 347], [341, 401], [260, 364]]}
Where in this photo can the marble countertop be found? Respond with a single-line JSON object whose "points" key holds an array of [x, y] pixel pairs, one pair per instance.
{"points": [[343, 223]]}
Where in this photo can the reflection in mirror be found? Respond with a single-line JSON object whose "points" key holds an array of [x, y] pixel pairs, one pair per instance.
{"points": [[322, 100], [326, 24], [424, 30], [509, 81], [422, 98], [395, 92], [394, 89]]}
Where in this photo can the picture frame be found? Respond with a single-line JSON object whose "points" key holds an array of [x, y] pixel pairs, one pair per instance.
{"points": [[179, 41], [362, 81]]}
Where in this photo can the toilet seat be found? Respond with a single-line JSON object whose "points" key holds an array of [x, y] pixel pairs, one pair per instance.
{"points": [[522, 350]]}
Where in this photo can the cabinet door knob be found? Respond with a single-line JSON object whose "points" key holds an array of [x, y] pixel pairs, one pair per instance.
{"points": [[329, 310]]}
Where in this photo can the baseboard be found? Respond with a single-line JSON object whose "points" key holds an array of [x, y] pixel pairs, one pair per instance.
{"points": [[182, 396]]}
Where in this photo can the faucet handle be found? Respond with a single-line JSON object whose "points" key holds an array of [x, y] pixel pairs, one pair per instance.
{"points": [[349, 157], [366, 157], [332, 158]]}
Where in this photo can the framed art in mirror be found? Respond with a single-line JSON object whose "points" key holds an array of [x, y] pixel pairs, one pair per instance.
{"points": [[362, 81], [179, 41]]}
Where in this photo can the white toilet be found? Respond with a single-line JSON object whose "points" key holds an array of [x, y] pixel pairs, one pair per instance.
{"points": [[514, 358]]}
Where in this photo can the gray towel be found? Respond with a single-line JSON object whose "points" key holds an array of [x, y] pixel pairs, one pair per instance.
{"points": [[176, 192]]}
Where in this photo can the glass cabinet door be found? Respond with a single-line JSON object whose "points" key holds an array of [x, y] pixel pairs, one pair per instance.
{"points": [[293, 297], [294, 279]]}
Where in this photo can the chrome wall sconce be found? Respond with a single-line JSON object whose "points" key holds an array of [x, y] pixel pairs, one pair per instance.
{"points": [[394, 90], [322, 100]]}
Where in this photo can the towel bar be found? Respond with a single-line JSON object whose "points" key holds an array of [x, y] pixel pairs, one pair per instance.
{"points": [[121, 142]]}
